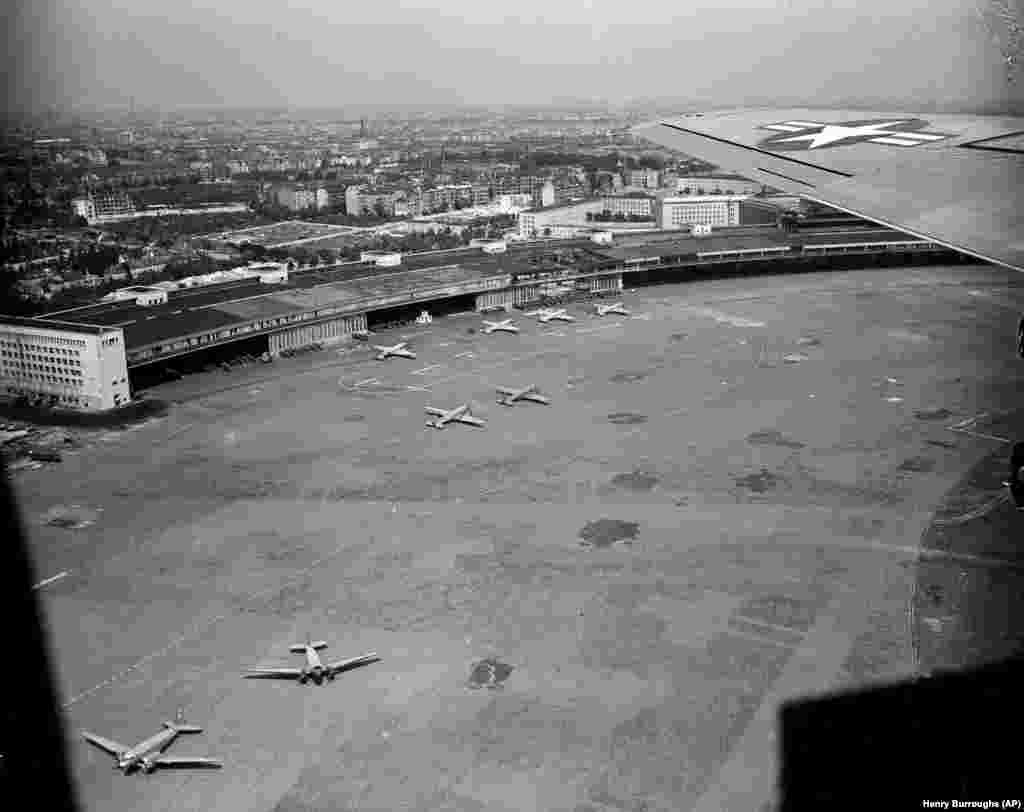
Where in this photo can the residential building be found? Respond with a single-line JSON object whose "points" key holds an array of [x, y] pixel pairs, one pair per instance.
{"points": [[70, 365], [712, 210], [297, 197], [636, 204], [100, 207], [643, 178]]}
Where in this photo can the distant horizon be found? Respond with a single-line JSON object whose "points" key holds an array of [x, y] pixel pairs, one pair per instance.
{"points": [[354, 112], [94, 56]]}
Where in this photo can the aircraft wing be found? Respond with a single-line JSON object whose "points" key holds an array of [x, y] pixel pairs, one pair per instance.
{"points": [[273, 673], [504, 390], [109, 745], [187, 761], [473, 421], [352, 662], [536, 398], [952, 179], [434, 411]]}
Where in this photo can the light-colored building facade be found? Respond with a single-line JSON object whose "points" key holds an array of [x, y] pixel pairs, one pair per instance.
{"points": [[716, 184], [643, 178], [103, 207], [712, 210], [300, 198], [66, 365]]}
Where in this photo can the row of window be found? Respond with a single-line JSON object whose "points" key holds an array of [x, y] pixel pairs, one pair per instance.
{"points": [[14, 366], [69, 400], [31, 358], [58, 380], [40, 342]]}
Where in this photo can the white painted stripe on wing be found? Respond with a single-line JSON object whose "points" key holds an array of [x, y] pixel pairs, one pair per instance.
{"points": [[899, 142], [789, 128], [802, 124], [921, 136]]}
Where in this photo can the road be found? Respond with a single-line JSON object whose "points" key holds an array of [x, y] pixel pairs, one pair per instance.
{"points": [[722, 509]]}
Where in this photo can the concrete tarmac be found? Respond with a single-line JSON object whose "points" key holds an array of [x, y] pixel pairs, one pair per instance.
{"points": [[593, 605]]}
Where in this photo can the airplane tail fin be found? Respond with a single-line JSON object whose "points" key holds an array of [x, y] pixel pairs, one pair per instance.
{"points": [[180, 725], [300, 648]]}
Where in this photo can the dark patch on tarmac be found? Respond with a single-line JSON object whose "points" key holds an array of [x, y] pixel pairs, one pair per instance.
{"points": [[866, 294], [353, 418], [772, 437], [678, 337], [489, 673], [626, 418], [933, 414], [809, 341], [471, 330], [628, 377], [635, 481], [917, 465], [942, 444], [605, 532], [761, 482]]}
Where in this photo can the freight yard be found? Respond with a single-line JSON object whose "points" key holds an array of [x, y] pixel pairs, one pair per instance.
{"points": [[597, 604]]}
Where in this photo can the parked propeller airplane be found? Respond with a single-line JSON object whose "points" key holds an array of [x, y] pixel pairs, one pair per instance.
{"points": [[398, 351], [547, 314], [495, 326], [460, 414], [617, 309], [147, 755], [315, 668], [509, 397]]}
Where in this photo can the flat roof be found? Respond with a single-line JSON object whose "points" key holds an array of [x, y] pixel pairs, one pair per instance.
{"points": [[50, 324], [213, 307]]}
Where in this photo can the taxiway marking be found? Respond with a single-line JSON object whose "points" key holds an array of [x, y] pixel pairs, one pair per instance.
{"points": [[465, 355], [51, 579], [417, 388], [425, 369], [367, 382], [198, 628]]}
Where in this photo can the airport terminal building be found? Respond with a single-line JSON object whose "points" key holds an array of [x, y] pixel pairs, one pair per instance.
{"points": [[64, 364], [93, 358]]}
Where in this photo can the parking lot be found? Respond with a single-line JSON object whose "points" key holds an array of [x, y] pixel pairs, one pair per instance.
{"points": [[597, 604]]}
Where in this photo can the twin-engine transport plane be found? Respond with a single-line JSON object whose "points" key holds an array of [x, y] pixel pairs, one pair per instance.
{"points": [[509, 397], [494, 326], [398, 351], [315, 668], [460, 414], [546, 314], [617, 309], [147, 755]]}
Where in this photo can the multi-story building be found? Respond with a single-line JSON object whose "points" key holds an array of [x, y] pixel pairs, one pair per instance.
{"points": [[62, 364], [84, 207], [296, 197], [100, 207], [361, 201], [716, 184], [643, 178], [636, 204], [712, 210]]}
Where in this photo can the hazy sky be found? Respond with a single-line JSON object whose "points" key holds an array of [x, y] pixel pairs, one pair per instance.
{"points": [[326, 53]]}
